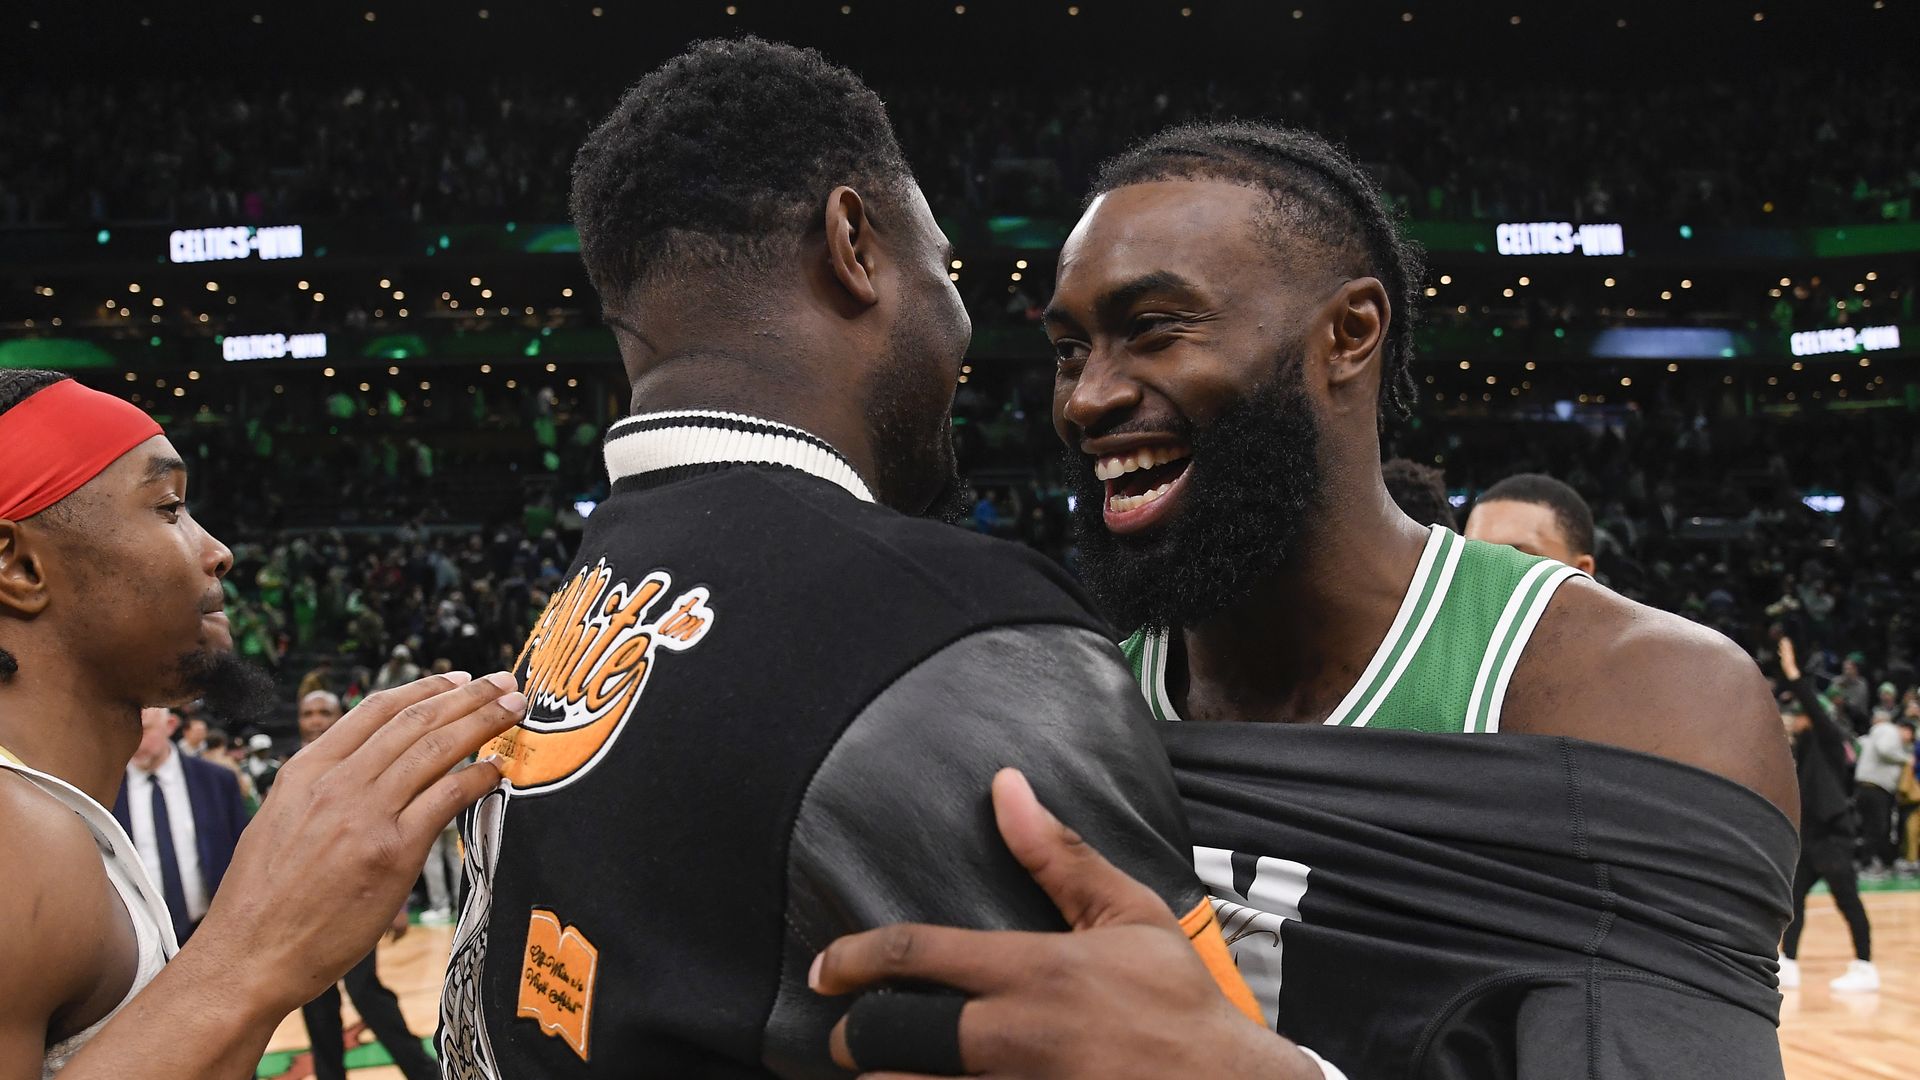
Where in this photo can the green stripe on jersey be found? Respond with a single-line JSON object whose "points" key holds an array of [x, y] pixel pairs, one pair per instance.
{"points": [[1445, 661]]}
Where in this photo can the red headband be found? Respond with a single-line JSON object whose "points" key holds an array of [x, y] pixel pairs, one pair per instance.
{"points": [[58, 439]]}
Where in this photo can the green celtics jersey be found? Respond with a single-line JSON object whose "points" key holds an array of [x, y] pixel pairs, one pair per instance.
{"points": [[1450, 653]]}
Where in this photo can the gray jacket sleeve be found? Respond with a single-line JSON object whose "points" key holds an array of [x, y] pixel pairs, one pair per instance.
{"points": [[897, 825]]}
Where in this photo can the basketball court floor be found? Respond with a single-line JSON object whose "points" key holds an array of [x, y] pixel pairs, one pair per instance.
{"points": [[1824, 1036]]}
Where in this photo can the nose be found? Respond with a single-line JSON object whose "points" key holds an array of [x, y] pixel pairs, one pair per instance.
{"points": [[221, 556], [1102, 391]]}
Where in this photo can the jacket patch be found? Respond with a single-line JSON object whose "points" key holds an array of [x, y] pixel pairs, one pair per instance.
{"points": [[556, 980], [584, 667]]}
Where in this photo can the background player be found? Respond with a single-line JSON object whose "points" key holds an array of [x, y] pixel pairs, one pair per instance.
{"points": [[1538, 515]]}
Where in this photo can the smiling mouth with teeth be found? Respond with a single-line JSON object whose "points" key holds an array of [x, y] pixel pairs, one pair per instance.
{"points": [[1141, 477]]}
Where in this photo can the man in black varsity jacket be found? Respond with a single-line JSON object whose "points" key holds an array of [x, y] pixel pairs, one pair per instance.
{"points": [[765, 708]]}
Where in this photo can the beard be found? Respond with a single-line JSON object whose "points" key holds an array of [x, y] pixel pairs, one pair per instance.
{"points": [[235, 692], [910, 426], [1254, 478]]}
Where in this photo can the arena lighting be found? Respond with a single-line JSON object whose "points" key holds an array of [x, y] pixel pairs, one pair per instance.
{"points": [[1841, 339], [274, 347], [1558, 238], [1824, 504], [234, 242]]}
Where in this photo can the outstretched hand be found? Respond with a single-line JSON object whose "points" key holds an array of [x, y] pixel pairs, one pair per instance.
{"points": [[334, 850], [1122, 996]]}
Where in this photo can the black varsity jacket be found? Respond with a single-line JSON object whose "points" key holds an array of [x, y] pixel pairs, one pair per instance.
{"points": [[764, 712]]}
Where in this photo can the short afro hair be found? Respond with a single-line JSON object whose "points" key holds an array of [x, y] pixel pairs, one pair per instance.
{"points": [[1420, 491], [722, 158], [1318, 194], [1572, 511], [15, 387]]}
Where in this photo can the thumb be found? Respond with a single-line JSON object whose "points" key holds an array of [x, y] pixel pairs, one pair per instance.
{"points": [[1088, 890]]}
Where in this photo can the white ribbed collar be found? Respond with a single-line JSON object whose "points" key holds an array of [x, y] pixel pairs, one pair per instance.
{"points": [[653, 441]]}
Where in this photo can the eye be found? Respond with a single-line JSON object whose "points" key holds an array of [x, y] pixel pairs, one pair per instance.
{"points": [[1070, 353], [1148, 323], [173, 509]]}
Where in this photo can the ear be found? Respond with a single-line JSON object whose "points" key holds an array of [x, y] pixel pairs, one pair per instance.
{"points": [[23, 584], [1359, 316], [1584, 564], [850, 245]]}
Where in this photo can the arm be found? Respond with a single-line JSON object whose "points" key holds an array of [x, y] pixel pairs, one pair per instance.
{"points": [[896, 825], [1827, 729], [1603, 668], [315, 879]]}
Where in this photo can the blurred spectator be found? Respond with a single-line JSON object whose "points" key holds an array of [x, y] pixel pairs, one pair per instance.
{"points": [[398, 670], [1884, 754], [193, 737]]}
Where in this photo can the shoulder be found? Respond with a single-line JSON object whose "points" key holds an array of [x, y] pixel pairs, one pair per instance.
{"points": [[1604, 668], [1055, 702], [206, 772], [56, 901]]}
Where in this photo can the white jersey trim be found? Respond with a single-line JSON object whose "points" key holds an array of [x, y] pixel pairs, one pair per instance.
{"points": [[1408, 606], [1434, 604], [1558, 577]]}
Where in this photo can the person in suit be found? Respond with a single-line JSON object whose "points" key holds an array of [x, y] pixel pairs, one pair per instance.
{"points": [[185, 817]]}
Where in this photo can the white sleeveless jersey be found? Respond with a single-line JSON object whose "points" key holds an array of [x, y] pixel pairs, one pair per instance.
{"points": [[152, 928]]}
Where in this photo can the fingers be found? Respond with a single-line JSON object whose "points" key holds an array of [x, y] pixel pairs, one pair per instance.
{"points": [[424, 721], [436, 807], [972, 961], [440, 749], [353, 729], [1088, 890]]}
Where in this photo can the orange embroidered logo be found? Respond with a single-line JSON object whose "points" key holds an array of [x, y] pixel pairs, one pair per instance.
{"points": [[556, 980], [583, 669]]}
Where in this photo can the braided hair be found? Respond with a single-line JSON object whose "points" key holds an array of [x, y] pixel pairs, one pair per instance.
{"points": [[1318, 195]]}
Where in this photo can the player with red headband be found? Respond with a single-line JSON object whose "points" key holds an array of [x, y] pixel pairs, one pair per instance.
{"points": [[110, 600]]}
